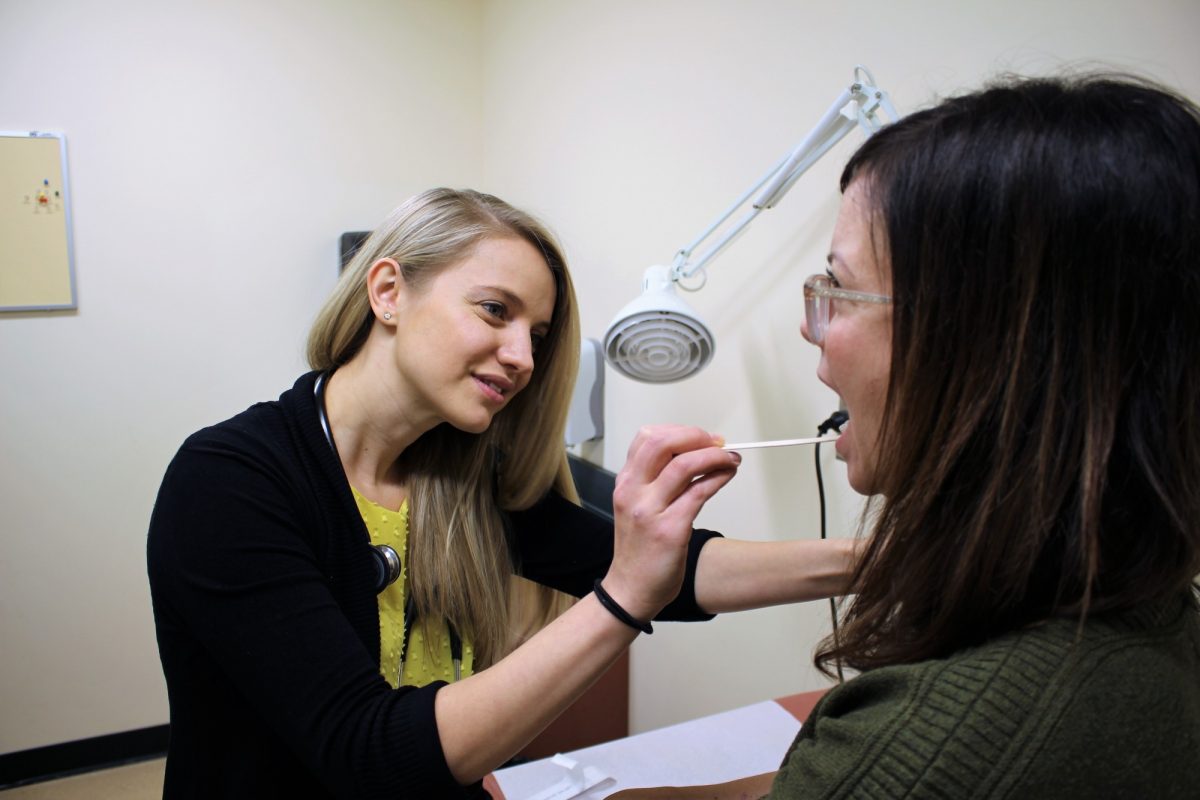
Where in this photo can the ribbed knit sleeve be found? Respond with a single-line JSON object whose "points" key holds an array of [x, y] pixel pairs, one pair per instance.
{"points": [[1040, 713]]}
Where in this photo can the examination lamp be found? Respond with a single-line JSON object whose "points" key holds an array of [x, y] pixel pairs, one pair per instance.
{"points": [[658, 338]]}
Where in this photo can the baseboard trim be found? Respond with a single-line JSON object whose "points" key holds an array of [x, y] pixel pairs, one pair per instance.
{"points": [[85, 755]]}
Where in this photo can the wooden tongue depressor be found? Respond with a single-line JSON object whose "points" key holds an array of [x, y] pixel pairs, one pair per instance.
{"points": [[778, 443]]}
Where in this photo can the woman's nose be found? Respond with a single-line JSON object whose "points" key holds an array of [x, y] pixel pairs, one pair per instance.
{"points": [[516, 351], [804, 332]]}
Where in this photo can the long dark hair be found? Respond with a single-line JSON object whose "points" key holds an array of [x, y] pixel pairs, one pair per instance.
{"points": [[1040, 454]]}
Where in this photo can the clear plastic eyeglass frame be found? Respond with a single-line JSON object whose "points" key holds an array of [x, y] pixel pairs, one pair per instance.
{"points": [[819, 294]]}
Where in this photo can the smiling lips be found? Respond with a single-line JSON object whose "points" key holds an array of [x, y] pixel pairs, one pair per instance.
{"points": [[494, 388]]}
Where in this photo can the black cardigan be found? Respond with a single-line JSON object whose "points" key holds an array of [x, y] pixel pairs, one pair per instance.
{"points": [[268, 628]]}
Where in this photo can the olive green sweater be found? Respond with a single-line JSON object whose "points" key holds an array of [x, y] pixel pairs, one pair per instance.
{"points": [[1033, 714]]}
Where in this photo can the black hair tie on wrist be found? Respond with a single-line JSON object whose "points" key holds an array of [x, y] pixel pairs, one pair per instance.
{"points": [[606, 600]]}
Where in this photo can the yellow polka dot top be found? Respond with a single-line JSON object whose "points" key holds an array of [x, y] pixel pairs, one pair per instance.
{"points": [[427, 657]]}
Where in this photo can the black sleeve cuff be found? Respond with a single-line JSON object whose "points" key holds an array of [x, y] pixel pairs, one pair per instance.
{"points": [[684, 608]]}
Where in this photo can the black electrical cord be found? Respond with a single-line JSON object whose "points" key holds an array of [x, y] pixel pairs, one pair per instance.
{"points": [[835, 422]]}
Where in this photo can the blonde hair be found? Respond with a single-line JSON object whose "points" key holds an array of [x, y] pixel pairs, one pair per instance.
{"points": [[460, 561]]}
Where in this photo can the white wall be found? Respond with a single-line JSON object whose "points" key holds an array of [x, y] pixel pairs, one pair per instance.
{"points": [[631, 124], [217, 149]]}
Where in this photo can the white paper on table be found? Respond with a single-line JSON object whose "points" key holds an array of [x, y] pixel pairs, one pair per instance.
{"points": [[722, 747], [579, 779]]}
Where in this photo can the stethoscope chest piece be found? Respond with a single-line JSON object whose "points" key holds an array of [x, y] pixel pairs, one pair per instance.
{"points": [[387, 566]]}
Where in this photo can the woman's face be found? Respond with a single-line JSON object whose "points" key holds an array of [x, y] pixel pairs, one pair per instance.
{"points": [[856, 354], [464, 341]]}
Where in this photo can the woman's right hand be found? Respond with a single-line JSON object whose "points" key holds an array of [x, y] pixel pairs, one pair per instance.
{"points": [[670, 472], [484, 719]]}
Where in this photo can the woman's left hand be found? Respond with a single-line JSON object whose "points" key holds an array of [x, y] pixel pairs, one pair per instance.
{"points": [[751, 788]]}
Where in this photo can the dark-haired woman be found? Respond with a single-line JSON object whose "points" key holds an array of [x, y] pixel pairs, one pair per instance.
{"points": [[1012, 316]]}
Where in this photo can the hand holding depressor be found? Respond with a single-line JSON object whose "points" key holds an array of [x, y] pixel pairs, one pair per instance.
{"points": [[670, 472]]}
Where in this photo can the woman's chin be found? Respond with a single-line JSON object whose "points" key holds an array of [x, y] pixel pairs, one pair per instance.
{"points": [[478, 424], [862, 484], [860, 479]]}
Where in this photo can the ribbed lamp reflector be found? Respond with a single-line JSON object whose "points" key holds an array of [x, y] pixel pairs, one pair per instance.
{"points": [[658, 346], [658, 338]]}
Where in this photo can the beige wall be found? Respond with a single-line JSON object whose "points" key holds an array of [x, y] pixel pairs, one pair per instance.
{"points": [[217, 149], [632, 124]]}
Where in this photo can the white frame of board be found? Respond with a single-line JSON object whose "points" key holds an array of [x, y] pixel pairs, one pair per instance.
{"points": [[37, 261]]}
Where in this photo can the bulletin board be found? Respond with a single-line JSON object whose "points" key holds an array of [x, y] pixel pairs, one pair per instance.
{"points": [[37, 268]]}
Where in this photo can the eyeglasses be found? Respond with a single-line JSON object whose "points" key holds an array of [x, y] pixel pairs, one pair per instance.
{"points": [[819, 294]]}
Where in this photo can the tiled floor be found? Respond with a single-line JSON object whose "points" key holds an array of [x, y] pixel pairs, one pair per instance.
{"points": [[140, 781]]}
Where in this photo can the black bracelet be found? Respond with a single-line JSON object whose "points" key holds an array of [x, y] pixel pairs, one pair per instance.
{"points": [[606, 600]]}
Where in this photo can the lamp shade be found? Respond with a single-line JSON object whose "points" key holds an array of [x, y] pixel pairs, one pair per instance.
{"points": [[658, 338]]}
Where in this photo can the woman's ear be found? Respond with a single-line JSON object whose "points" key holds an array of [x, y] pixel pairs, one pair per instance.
{"points": [[385, 284]]}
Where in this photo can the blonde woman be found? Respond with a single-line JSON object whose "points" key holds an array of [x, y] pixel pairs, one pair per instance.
{"points": [[427, 443]]}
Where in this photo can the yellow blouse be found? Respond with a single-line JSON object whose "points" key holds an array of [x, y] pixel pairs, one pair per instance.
{"points": [[428, 656]]}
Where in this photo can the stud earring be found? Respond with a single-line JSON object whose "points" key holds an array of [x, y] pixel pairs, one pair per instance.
{"points": [[387, 315]]}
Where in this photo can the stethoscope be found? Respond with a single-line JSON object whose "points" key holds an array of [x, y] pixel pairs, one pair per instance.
{"points": [[388, 565]]}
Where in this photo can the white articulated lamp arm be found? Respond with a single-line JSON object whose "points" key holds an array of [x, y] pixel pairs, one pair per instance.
{"points": [[859, 105], [658, 338]]}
